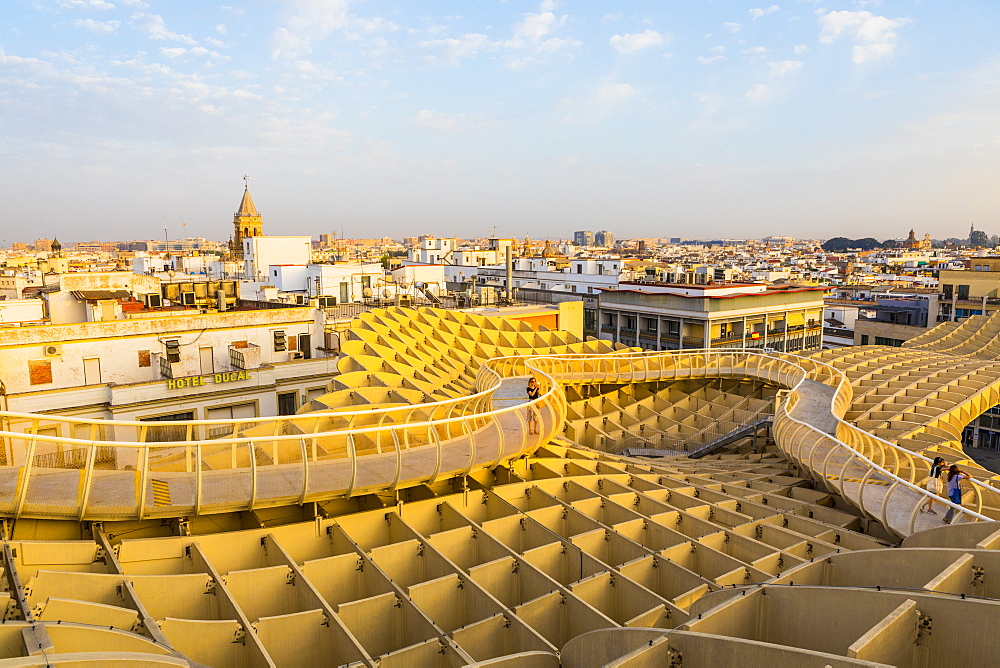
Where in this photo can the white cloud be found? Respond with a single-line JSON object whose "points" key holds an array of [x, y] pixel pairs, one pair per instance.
{"points": [[466, 46], [758, 92], [309, 21], [755, 51], [533, 35], [875, 37], [156, 28], [758, 12], [198, 51], [632, 42], [799, 49], [85, 4], [708, 60], [782, 67], [222, 29], [732, 26], [531, 31], [615, 93], [711, 103], [97, 26]]}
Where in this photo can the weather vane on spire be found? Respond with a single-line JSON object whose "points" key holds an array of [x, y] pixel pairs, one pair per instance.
{"points": [[246, 181]]}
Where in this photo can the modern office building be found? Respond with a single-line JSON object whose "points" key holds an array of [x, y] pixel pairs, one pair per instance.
{"points": [[583, 238], [658, 316], [604, 238]]}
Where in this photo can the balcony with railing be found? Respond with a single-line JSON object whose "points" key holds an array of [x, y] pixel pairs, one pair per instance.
{"points": [[245, 357]]}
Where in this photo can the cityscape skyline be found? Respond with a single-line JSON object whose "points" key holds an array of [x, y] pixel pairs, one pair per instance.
{"points": [[388, 119]]}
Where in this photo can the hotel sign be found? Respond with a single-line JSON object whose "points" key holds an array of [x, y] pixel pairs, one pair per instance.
{"points": [[198, 381]]}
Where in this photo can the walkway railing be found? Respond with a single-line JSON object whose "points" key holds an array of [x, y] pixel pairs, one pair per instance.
{"points": [[96, 469]]}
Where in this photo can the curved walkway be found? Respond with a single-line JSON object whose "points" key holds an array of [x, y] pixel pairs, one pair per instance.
{"points": [[385, 449]]}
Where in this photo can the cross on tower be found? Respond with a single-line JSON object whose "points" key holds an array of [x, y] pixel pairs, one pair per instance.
{"points": [[246, 181]]}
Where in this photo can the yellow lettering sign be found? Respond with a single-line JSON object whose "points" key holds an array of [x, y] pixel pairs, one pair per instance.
{"points": [[196, 381]]}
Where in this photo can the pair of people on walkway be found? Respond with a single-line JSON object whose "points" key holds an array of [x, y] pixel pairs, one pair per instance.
{"points": [[940, 480]]}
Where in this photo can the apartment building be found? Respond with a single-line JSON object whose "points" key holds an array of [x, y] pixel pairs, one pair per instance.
{"points": [[659, 316], [968, 292], [184, 366], [579, 276]]}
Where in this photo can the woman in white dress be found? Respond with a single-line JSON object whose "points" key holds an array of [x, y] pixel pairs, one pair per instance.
{"points": [[935, 484]]}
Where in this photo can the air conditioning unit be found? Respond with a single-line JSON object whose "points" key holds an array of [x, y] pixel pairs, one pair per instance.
{"points": [[154, 300], [187, 298], [280, 344], [302, 300], [53, 351]]}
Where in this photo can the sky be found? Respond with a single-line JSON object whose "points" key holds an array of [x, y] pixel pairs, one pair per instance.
{"points": [[726, 119]]}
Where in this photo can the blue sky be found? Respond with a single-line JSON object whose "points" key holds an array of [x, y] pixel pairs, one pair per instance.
{"points": [[650, 119]]}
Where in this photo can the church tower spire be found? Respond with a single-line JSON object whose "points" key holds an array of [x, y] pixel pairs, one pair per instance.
{"points": [[247, 222]]}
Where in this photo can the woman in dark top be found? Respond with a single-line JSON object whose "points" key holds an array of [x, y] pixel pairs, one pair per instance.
{"points": [[954, 485], [534, 391]]}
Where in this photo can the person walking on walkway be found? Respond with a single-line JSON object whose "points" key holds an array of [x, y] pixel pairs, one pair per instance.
{"points": [[534, 391], [955, 478], [935, 484]]}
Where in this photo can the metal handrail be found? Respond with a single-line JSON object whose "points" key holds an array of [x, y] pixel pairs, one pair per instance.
{"points": [[477, 414]]}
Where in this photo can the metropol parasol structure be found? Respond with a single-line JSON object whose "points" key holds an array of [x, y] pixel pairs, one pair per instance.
{"points": [[680, 508]]}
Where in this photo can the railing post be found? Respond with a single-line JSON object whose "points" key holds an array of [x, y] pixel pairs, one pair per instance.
{"points": [[353, 456], [304, 454], [399, 459], [25, 479], [432, 430], [197, 496], [142, 481], [88, 477], [252, 501]]}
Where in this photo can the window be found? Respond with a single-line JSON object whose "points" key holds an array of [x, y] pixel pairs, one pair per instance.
{"points": [[572, 288], [864, 339], [287, 403], [579, 268], [236, 412], [173, 432], [173, 350], [145, 359], [39, 372], [885, 341], [963, 292], [946, 290], [280, 344]]}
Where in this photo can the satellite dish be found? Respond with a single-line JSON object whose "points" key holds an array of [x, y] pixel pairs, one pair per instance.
{"points": [[386, 293], [367, 292]]}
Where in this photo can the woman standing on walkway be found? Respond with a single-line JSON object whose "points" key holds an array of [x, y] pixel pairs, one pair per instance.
{"points": [[533, 393], [955, 478], [935, 485]]}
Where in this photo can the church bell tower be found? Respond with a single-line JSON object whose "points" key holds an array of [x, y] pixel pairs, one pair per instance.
{"points": [[247, 222]]}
